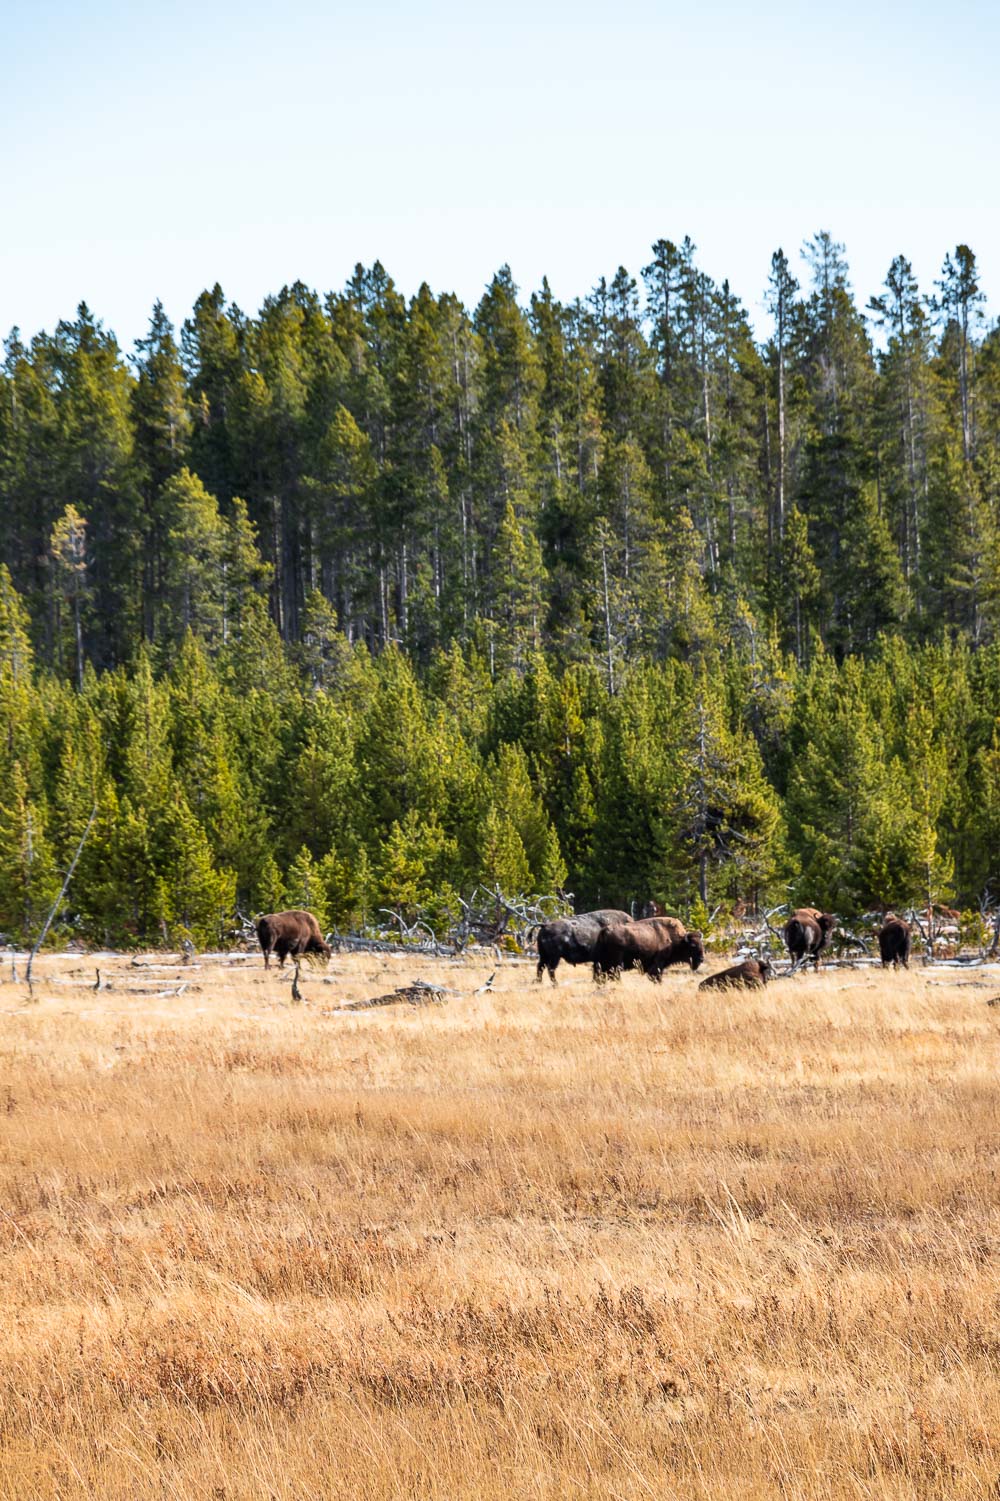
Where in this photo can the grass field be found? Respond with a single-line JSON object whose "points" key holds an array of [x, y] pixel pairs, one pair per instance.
{"points": [[531, 1243]]}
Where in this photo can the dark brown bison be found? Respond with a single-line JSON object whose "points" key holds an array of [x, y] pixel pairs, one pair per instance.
{"points": [[573, 938], [807, 932], [894, 941], [296, 933], [748, 975], [651, 944]]}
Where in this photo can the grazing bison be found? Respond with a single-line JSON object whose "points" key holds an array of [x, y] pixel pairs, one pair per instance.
{"points": [[806, 934], [748, 975], [573, 938], [894, 940], [651, 944], [296, 933]]}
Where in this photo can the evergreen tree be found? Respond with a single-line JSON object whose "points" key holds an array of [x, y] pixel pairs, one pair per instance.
{"points": [[960, 303], [197, 543], [68, 558], [28, 880], [781, 291], [904, 402], [305, 887], [194, 898]]}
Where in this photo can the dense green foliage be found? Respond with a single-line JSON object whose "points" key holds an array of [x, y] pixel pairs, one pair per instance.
{"points": [[362, 601]]}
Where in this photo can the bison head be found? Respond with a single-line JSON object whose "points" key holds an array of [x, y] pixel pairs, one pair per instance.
{"points": [[827, 922], [693, 949], [766, 970]]}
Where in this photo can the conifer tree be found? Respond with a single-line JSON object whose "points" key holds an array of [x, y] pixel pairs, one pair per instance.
{"points": [[782, 288], [305, 887], [197, 543], [960, 303], [520, 576], [195, 899], [28, 879], [904, 401], [503, 863], [413, 868], [16, 654], [68, 558]]}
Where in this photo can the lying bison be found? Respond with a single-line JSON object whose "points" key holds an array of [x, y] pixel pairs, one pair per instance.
{"points": [[894, 941], [651, 944], [296, 933], [573, 938], [806, 934], [749, 975]]}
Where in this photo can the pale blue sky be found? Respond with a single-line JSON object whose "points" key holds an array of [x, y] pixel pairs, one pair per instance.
{"points": [[150, 154]]}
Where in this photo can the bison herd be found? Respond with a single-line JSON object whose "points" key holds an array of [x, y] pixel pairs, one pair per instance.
{"points": [[612, 941]]}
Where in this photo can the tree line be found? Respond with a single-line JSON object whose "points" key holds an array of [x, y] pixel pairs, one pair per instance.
{"points": [[363, 600]]}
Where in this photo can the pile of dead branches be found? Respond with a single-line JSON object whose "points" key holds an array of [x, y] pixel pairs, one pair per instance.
{"points": [[488, 916], [491, 917]]}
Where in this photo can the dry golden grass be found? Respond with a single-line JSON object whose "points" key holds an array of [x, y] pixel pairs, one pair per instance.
{"points": [[535, 1243]]}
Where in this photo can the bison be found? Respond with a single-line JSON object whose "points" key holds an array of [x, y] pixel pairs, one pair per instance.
{"points": [[894, 940], [651, 944], [573, 939], [296, 933], [806, 934], [748, 975]]}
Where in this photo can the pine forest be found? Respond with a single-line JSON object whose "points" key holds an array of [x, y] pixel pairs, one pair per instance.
{"points": [[363, 601]]}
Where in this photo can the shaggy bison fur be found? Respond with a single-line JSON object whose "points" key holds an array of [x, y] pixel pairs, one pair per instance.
{"points": [[573, 938], [651, 944], [296, 933], [807, 932], [748, 975], [894, 941]]}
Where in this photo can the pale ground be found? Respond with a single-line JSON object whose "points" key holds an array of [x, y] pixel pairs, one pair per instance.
{"points": [[535, 1243]]}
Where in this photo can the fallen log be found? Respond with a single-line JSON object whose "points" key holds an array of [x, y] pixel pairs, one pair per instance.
{"points": [[355, 944], [419, 993], [146, 964], [144, 990]]}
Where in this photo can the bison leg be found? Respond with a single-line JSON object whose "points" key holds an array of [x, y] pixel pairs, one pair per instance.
{"points": [[267, 958]]}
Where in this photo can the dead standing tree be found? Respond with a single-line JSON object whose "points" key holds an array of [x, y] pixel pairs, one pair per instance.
{"points": [[62, 894]]}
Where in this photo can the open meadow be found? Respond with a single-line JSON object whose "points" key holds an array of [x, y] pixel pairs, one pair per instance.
{"points": [[533, 1242]]}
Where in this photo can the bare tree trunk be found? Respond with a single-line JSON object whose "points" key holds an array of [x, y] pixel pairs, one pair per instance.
{"points": [[404, 613], [79, 639], [781, 442], [607, 618]]}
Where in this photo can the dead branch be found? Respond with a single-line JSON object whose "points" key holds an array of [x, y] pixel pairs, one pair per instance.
{"points": [[62, 894]]}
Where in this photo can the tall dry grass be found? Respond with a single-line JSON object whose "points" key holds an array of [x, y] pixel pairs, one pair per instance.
{"points": [[534, 1243]]}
